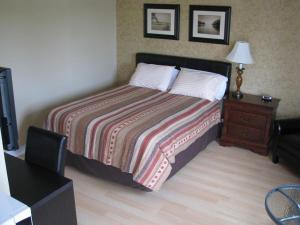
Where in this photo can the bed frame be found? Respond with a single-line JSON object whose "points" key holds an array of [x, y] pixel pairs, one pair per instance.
{"points": [[114, 174]]}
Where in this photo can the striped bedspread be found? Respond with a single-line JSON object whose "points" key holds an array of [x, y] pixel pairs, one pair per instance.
{"points": [[137, 130]]}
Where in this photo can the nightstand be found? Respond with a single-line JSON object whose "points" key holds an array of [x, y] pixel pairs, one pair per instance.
{"points": [[248, 122]]}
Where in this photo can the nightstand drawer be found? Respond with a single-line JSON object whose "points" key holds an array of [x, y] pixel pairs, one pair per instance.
{"points": [[245, 133], [248, 119]]}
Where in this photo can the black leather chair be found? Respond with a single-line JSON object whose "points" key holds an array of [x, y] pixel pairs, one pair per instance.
{"points": [[287, 141], [46, 149]]}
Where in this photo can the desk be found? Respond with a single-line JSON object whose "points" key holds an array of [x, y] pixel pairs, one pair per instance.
{"points": [[50, 196]]}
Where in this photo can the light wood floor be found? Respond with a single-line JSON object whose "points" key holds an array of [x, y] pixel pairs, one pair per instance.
{"points": [[221, 186]]}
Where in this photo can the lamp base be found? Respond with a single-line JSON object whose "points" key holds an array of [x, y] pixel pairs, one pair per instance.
{"points": [[237, 94], [239, 80]]}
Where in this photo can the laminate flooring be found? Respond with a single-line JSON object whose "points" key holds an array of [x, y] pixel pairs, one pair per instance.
{"points": [[220, 186]]}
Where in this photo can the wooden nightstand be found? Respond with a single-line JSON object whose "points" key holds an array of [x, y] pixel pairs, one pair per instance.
{"points": [[248, 122]]}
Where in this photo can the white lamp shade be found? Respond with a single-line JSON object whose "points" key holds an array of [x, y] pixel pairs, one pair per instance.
{"points": [[241, 53]]}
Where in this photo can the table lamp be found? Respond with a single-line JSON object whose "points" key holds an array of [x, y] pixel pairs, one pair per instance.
{"points": [[240, 54]]}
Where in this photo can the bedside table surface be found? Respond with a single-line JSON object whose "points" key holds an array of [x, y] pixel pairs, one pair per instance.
{"points": [[255, 100]]}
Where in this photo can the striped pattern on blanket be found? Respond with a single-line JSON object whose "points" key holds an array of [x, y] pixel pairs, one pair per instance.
{"points": [[138, 130]]}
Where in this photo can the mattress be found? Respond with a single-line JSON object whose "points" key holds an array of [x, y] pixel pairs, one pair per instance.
{"points": [[137, 130]]}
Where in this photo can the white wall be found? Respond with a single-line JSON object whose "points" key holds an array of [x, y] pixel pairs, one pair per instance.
{"points": [[58, 50], [4, 186]]}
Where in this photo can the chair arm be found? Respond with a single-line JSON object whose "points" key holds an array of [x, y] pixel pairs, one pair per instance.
{"points": [[287, 126]]}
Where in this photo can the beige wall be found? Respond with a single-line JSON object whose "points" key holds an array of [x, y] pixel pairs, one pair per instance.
{"points": [[58, 50], [271, 26]]}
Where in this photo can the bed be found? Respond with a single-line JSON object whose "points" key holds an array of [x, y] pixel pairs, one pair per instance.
{"points": [[139, 136]]}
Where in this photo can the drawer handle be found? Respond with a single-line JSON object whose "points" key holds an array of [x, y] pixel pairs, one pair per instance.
{"points": [[244, 133], [246, 119]]}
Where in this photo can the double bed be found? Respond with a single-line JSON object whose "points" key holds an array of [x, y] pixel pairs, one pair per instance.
{"points": [[139, 136]]}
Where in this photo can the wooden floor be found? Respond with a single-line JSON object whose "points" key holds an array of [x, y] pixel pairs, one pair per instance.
{"points": [[221, 186]]}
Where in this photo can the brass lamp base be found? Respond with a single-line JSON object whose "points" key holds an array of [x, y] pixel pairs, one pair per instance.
{"points": [[239, 80], [237, 95]]}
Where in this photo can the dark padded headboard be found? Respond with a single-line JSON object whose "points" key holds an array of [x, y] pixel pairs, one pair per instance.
{"points": [[219, 67]]}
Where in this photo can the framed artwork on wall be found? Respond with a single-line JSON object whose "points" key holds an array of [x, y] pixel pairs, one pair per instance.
{"points": [[161, 21], [209, 24]]}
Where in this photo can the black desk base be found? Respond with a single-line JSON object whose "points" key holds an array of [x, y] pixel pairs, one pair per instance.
{"points": [[25, 222], [50, 196]]}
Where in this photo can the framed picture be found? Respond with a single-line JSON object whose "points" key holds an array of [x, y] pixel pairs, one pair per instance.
{"points": [[209, 24], [161, 21]]}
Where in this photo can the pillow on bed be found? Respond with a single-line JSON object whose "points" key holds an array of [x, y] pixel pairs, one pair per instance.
{"points": [[154, 76], [223, 85], [201, 84]]}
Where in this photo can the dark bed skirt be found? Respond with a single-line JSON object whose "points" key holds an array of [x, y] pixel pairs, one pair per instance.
{"points": [[114, 174]]}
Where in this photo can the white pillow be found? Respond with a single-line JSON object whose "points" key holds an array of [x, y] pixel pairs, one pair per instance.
{"points": [[201, 84], [223, 85], [222, 89], [154, 76]]}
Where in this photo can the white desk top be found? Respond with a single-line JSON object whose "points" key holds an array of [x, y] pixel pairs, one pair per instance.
{"points": [[11, 210]]}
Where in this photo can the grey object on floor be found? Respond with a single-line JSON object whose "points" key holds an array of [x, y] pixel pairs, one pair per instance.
{"points": [[283, 205]]}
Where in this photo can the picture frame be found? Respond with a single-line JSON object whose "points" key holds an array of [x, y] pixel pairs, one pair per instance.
{"points": [[210, 24], [161, 21]]}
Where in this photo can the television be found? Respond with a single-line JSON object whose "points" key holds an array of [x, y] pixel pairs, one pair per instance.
{"points": [[9, 131]]}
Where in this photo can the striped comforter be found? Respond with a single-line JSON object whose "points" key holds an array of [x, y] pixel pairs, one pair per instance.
{"points": [[137, 130]]}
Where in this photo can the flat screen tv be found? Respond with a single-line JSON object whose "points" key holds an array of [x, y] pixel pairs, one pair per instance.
{"points": [[8, 120]]}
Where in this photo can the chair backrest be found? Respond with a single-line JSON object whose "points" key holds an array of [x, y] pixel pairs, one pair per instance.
{"points": [[46, 149], [287, 126]]}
